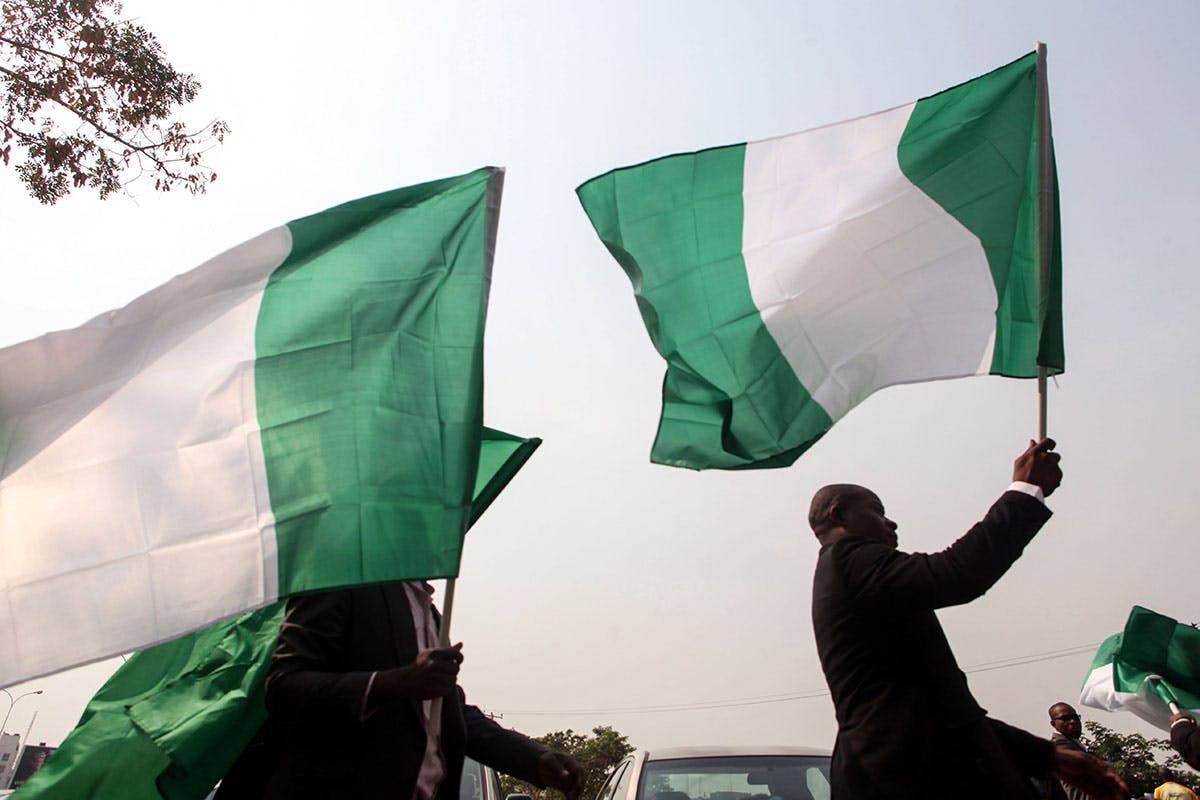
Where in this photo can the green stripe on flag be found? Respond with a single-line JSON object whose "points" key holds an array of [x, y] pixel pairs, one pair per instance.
{"points": [[729, 396], [369, 383], [974, 150]]}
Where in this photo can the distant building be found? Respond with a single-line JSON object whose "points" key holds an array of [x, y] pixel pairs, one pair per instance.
{"points": [[10, 745], [32, 759]]}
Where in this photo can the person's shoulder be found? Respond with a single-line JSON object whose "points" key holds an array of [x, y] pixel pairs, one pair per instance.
{"points": [[1065, 742], [846, 546], [855, 553]]}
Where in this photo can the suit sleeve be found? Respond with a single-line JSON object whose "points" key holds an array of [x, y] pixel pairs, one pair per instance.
{"points": [[1185, 737], [304, 682], [1033, 754], [500, 748], [880, 575]]}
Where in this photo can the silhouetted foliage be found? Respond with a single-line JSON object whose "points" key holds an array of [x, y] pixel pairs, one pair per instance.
{"points": [[1134, 758], [597, 754], [88, 99]]}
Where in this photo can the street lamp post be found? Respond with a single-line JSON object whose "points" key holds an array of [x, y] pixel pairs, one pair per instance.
{"points": [[9, 769], [12, 702]]}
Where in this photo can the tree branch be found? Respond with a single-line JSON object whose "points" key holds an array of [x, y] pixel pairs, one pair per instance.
{"points": [[36, 49], [44, 92]]}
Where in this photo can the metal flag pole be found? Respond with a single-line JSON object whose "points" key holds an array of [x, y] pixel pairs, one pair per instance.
{"points": [[435, 707], [1045, 216]]}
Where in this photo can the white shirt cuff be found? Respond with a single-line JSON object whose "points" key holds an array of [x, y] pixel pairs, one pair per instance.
{"points": [[1028, 488]]}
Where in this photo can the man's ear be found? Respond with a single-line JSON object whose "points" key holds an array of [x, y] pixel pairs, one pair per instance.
{"points": [[837, 514]]}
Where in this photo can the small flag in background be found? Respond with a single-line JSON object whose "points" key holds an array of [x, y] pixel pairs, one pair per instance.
{"points": [[786, 280], [300, 412], [173, 719], [1153, 662]]}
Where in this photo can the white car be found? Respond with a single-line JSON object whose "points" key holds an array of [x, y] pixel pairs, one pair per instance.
{"points": [[721, 773]]}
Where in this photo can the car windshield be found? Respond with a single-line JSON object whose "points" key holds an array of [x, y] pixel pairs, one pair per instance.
{"points": [[736, 778], [471, 787]]}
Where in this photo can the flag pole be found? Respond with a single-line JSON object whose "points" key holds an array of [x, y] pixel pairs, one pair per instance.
{"points": [[447, 609], [435, 707], [1045, 217]]}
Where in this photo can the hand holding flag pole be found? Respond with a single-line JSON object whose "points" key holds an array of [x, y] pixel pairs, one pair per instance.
{"points": [[500, 458]]}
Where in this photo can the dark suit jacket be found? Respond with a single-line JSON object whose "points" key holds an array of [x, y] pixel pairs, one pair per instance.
{"points": [[1067, 743], [907, 723], [1185, 738], [316, 744]]}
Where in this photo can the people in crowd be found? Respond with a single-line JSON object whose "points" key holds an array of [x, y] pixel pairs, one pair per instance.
{"points": [[1169, 789]]}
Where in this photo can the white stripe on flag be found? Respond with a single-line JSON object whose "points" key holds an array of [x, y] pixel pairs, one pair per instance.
{"points": [[117, 491], [861, 278]]}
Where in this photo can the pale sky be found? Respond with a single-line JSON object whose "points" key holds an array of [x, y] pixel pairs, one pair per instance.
{"points": [[672, 605]]}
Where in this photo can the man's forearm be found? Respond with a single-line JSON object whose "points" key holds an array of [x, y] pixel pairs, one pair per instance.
{"points": [[1033, 754], [502, 749]]}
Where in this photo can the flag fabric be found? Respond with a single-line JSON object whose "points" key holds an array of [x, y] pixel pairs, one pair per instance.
{"points": [[300, 412], [173, 719], [1153, 662], [785, 280]]}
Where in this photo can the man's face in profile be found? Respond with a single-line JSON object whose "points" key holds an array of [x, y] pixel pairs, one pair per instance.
{"points": [[862, 514]]}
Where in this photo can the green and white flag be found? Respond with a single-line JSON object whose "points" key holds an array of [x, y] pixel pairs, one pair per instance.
{"points": [[300, 412], [173, 719], [1153, 662], [786, 280]]}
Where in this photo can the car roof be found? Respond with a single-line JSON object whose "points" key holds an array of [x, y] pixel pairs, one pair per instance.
{"points": [[717, 751]]}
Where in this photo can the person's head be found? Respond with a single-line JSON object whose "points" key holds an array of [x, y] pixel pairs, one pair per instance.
{"points": [[1064, 720], [844, 509], [1165, 774]]}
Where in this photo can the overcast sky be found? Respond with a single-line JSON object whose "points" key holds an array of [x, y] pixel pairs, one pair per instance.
{"points": [[672, 605]]}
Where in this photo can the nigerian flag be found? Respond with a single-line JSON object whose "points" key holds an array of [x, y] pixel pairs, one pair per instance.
{"points": [[300, 412], [173, 719], [1153, 662], [785, 280]]}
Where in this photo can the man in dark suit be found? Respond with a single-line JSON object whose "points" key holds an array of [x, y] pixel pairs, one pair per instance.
{"points": [[1068, 727], [349, 697], [908, 726]]}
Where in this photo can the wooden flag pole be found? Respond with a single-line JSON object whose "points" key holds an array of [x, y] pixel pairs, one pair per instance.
{"points": [[435, 707], [1045, 216]]}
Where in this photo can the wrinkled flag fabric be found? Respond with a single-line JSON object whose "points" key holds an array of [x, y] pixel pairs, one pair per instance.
{"points": [[300, 412], [173, 719], [1154, 661], [786, 280]]}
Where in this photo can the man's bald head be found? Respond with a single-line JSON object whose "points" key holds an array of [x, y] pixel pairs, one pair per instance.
{"points": [[849, 509], [827, 498]]}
